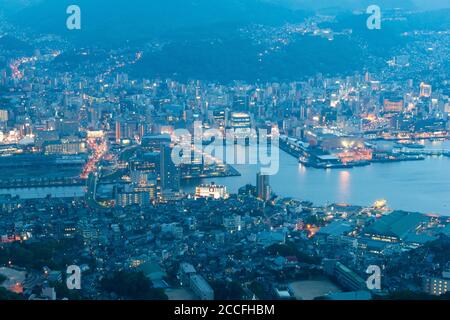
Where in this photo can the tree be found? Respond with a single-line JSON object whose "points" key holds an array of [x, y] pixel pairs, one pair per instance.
{"points": [[38, 255], [409, 295], [290, 249], [63, 292], [227, 290], [258, 289], [7, 295], [131, 285]]}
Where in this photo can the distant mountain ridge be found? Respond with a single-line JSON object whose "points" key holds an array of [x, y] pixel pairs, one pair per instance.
{"points": [[201, 39], [138, 19], [9, 43], [11, 6], [422, 5]]}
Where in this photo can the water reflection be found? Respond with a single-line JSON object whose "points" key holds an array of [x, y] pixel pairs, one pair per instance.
{"points": [[422, 186], [344, 184]]}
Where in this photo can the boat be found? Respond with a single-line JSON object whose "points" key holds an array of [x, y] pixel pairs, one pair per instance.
{"points": [[410, 145]]}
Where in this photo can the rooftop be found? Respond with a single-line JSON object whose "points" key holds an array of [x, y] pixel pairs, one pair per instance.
{"points": [[398, 224]]}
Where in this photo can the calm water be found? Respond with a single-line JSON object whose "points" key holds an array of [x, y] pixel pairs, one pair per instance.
{"points": [[44, 192], [422, 186]]}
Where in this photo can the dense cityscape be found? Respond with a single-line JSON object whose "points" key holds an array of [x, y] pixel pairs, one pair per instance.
{"points": [[89, 179]]}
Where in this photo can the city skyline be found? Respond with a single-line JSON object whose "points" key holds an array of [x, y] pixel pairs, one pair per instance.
{"points": [[226, 150]]}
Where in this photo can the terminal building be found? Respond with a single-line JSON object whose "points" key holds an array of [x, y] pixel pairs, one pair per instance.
{"points": [[36, 176], [64, 146], [211, 191], [398, 226]]}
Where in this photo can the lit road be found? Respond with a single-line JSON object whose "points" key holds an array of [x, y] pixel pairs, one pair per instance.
{"points": [[120, 65], [15, 66], [99, 149]]}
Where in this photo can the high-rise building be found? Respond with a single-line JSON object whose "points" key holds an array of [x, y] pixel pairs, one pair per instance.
{"points": [[219, 116], [425, 90], [436, 286], [240, 103], [240, 120], [126, 198], [262, 187], [147, 163], [118, 131], [144, 172], [241, 124], [4, 115], [393, 104], [93, 117], [170, 173]]}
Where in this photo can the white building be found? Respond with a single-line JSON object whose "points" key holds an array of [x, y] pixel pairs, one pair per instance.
{"points": [[211, 191]]}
